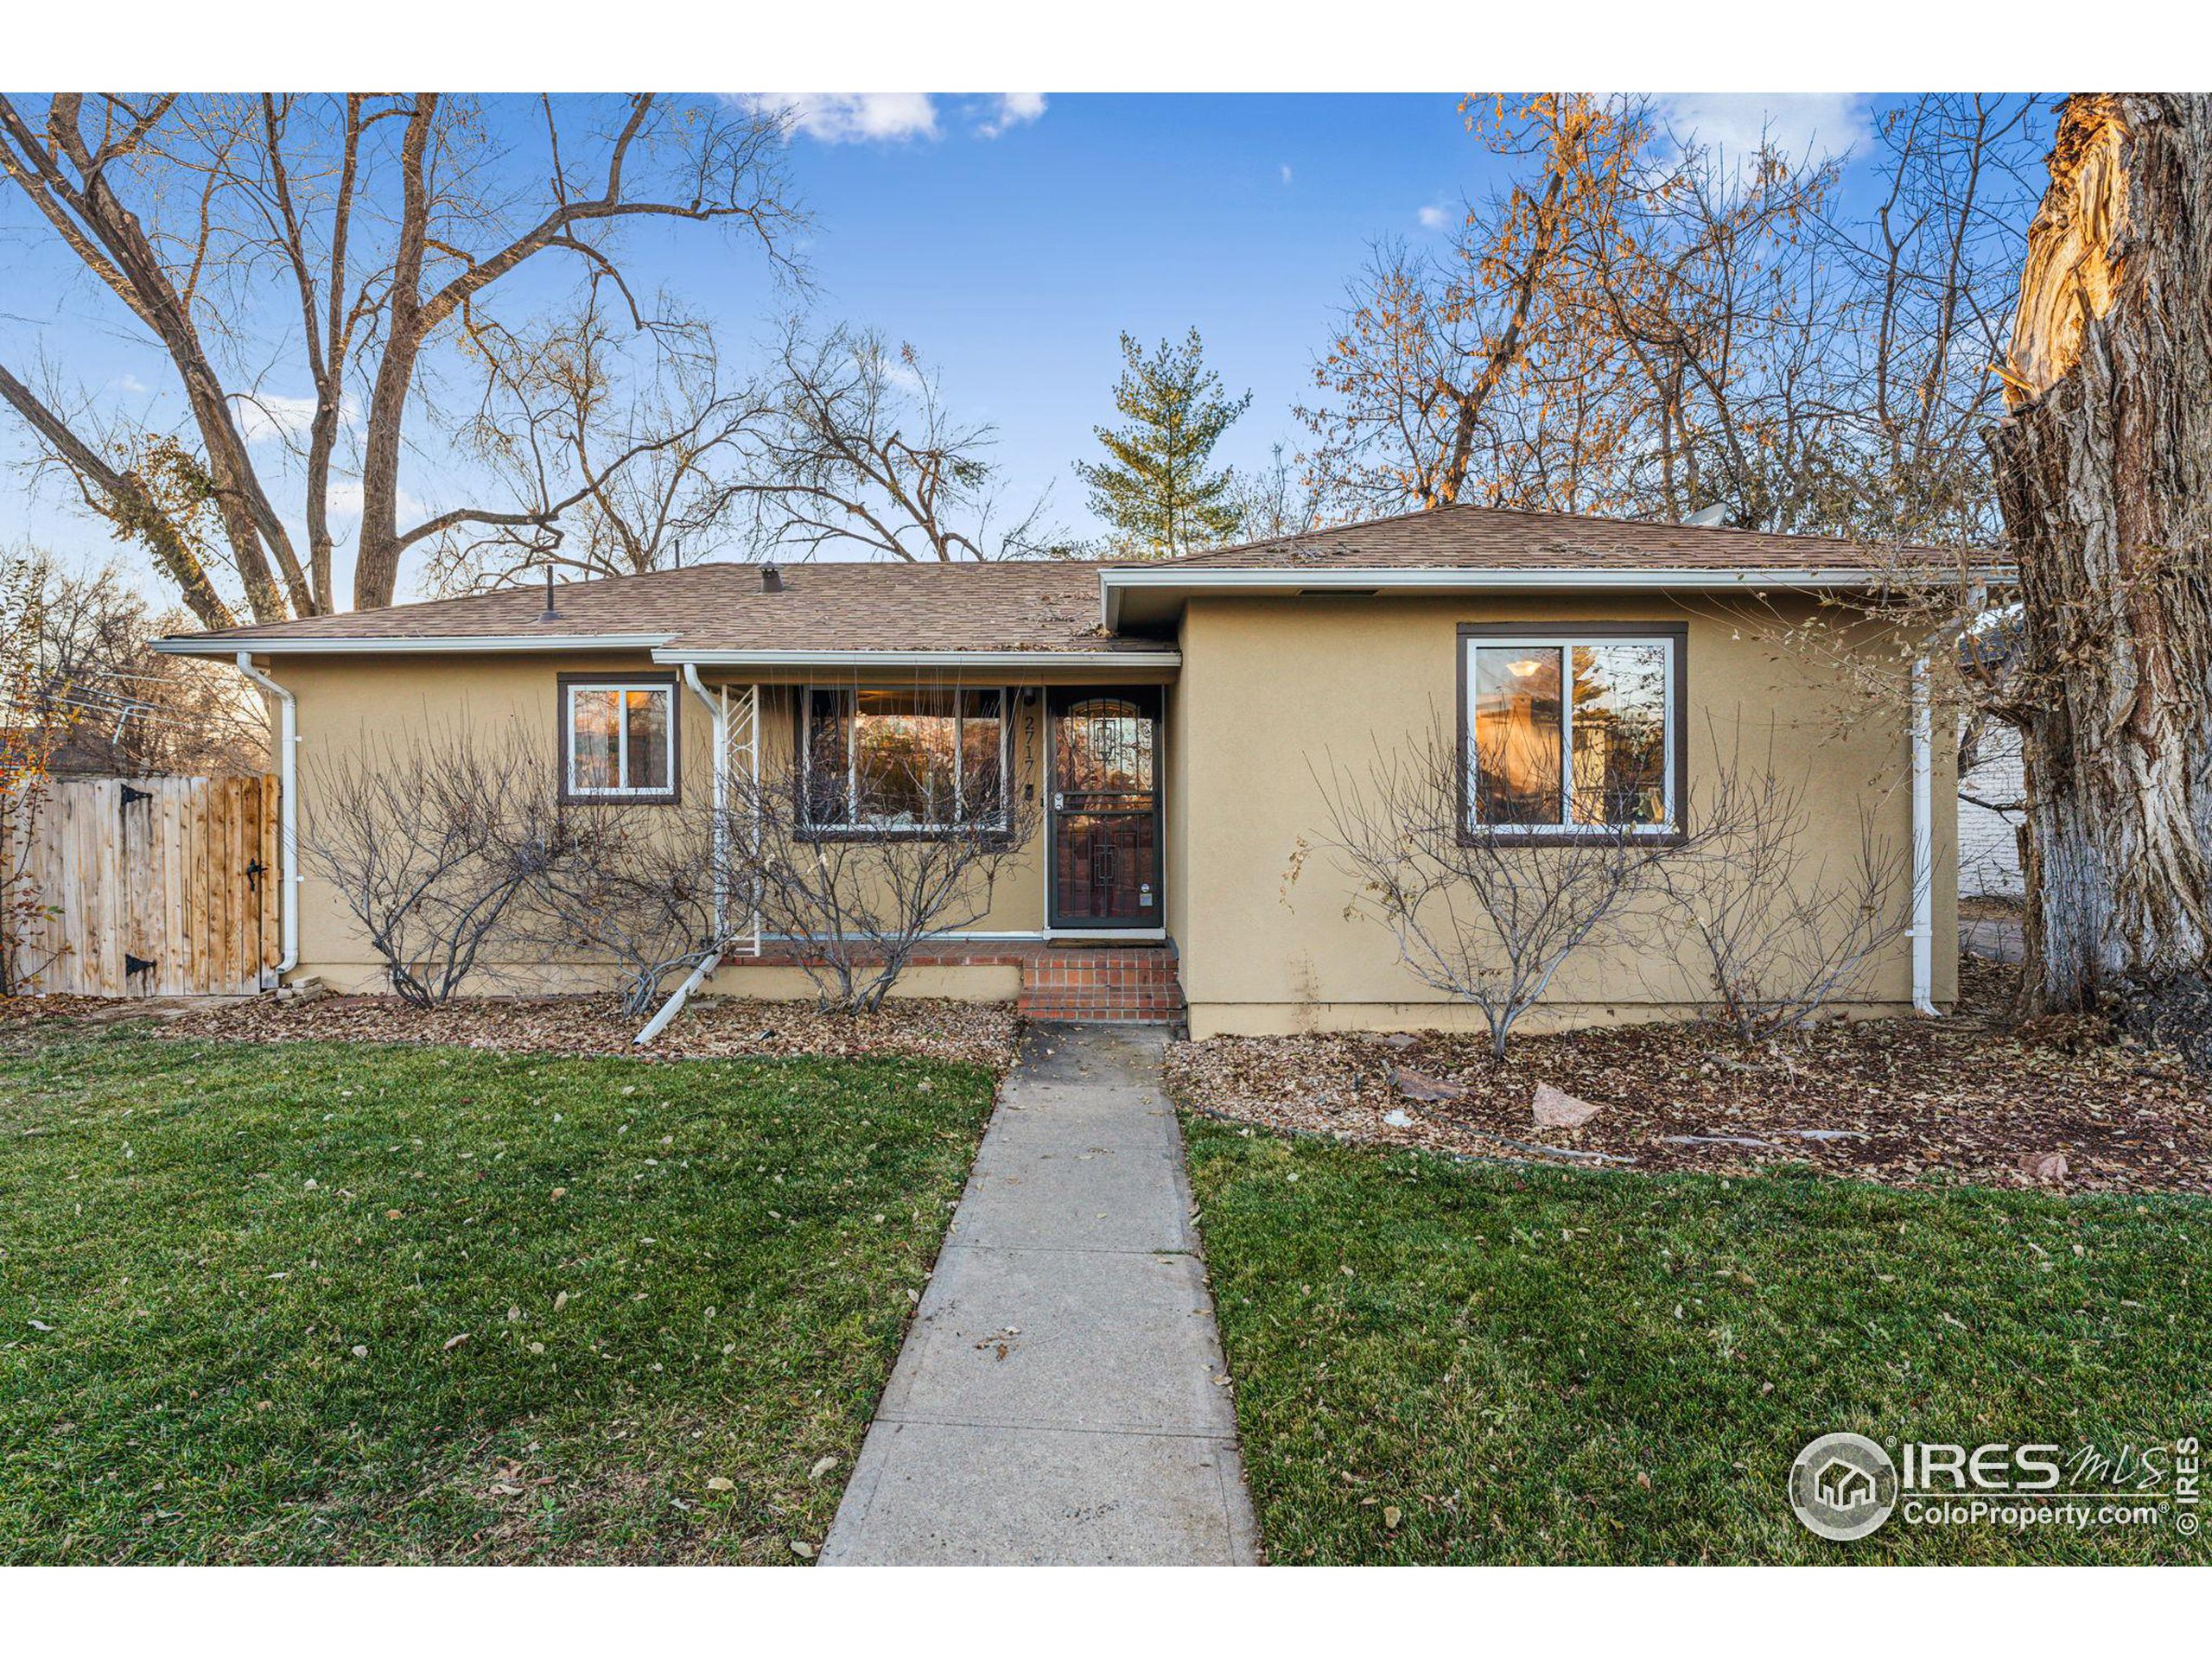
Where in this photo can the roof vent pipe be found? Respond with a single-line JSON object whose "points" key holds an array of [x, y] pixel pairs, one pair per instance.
{"points": [[772, 579], [550, 615]]}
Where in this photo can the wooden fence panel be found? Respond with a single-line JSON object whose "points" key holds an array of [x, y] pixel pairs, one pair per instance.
{"points": [[159, 886]]}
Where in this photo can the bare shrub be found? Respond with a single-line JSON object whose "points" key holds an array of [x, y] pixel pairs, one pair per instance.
{"points": [[1782, 935], [417, 834], [626, 881], [857, 903], [1486, 916]]}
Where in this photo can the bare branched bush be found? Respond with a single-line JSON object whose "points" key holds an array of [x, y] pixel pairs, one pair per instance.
{"points": [[857, 903], [630, 883], [416, 834], [1783, 935], [1485, 916]]}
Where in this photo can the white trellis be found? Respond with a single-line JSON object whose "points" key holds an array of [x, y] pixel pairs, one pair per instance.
{"points": [[739, 723]]}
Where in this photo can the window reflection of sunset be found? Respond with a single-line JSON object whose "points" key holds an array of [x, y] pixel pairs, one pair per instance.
{"points": [[1596, 757]]}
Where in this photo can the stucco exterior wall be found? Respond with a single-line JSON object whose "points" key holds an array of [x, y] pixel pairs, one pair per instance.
{"points": [[370, 707], [1274, 691]]}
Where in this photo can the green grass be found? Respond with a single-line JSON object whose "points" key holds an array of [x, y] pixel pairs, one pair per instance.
{"points": [[213, 1235], [1506, 1356]]}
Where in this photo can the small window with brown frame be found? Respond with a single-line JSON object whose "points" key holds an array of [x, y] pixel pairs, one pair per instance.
{"points": [[618, 737]]}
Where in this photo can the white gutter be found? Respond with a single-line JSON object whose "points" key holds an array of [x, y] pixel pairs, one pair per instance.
{"points": [[717, 712], [1114, 582], [920, 658], [288, 805], [1923, 931], [351, 645]]}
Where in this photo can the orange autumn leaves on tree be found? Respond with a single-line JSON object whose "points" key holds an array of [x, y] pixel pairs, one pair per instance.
{"points": [[1584, 341], [24, 747]]}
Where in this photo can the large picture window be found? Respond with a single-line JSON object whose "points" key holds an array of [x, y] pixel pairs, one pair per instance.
{"points": [[906, 760], [618, 739], [1572, 732]]}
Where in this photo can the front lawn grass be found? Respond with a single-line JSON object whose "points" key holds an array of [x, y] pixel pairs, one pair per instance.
{"points": [[1540, 1365], [345, 1303]]}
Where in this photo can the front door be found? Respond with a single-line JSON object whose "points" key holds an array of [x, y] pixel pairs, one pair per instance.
{"points": [[1103, 828]]}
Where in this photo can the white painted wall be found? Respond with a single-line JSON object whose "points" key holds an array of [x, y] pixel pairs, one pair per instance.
{"points": [[1989, 856]]}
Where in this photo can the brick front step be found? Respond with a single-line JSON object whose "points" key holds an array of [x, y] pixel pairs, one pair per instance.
{"points": [[1107, 983], [1132, 984]]}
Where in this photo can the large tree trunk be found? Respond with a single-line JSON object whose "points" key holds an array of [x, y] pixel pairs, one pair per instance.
{"points": [[2105, 478]]}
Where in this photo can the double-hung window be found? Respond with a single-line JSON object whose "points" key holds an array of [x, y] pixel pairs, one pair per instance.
{"points": [[905, 761], [1571, 731], [618, 738]]}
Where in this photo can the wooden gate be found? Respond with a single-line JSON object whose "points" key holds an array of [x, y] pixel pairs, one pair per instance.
{"points": [[158, 887]]}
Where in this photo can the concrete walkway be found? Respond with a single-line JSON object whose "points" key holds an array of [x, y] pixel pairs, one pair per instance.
{"points": [[1057, 1400], [1997, 941]]}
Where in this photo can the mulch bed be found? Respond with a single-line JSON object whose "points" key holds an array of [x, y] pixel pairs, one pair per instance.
{"points": [[1897, 1101], [18, 1012], [708, 1029]]}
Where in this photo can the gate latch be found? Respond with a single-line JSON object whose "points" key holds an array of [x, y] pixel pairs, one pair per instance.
{"points": [[253, 874]]}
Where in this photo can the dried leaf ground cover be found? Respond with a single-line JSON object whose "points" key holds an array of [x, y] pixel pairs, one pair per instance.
{"points": [[977, 1033], [315, 1303], [1439, 1361], [1894, 1100]]}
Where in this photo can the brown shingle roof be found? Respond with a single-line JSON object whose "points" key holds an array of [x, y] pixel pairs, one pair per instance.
{"points": [[1035, 605], [1504, 539], [1049, 605]]}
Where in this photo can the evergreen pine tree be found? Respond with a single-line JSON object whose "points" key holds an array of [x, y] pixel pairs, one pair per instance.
{"points": [[1153, 488]]}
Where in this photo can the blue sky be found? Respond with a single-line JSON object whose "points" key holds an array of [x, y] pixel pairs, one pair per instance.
{"points": [[1011, 238]]}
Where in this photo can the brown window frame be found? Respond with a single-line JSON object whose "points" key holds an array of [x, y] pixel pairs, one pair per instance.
{"points": [[1678, 748], [565, 683]]}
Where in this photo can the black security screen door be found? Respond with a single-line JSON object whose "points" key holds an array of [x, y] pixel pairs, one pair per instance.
{"points": [[1105, 816]]}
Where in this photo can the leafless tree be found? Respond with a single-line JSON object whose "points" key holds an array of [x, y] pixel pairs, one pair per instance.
{"points": [[417, 834], [655, 454], [856, 903], [388, 226], [1485, 916], [1783, 937], [861, 451], [1275, 500], [109, 704]]}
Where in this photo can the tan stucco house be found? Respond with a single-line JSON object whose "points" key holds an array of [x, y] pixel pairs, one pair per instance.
{"points": [[1168, 719]]}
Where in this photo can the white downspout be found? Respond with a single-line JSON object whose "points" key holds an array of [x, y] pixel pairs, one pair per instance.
{"points": [[718, 828], [1923, 931], [288, 805]]}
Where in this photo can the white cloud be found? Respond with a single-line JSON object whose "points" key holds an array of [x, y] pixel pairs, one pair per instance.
{"points": [[344, 501], [1010, 110], [267, 418], [856, 117], [1286, 172], [1802, 125], [1436, 219], [129, 386]]}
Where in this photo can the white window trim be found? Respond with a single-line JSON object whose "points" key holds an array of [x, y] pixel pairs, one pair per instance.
{"points": [[620, 791], [850, 826], [1565, 644]]}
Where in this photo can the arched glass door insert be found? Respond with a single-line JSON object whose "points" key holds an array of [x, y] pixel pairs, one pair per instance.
{"points": [[1105, 821]]}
